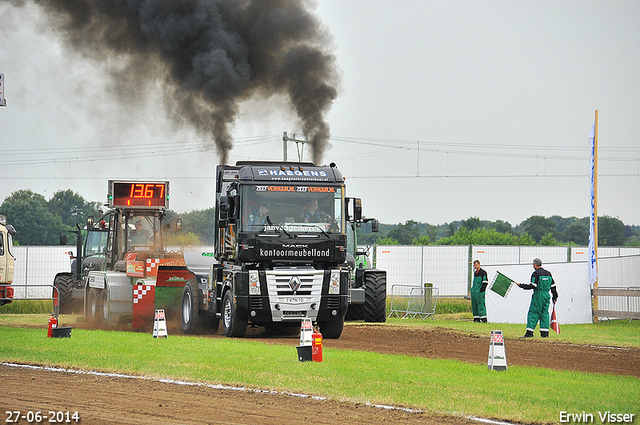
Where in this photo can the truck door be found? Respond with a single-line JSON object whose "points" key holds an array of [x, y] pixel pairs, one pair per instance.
{"points": [[3, 259], [7, 259]]}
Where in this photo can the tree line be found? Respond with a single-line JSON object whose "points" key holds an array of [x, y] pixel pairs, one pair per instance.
{"points": [[535, 230], [39, 221]]}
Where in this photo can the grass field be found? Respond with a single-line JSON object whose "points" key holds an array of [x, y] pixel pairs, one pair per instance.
{"points": [[443, 386]]}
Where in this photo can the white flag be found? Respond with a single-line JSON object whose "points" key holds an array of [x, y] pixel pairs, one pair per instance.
{"points": [[593, 266]]}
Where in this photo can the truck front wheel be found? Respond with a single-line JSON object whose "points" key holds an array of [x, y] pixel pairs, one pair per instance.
{"points": [[332, 329], [231, 323]]}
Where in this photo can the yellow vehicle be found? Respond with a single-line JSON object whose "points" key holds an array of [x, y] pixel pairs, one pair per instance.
{"points": [[7, 260]]}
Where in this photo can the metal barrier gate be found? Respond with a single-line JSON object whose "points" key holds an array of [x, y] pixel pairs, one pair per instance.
{"points": [[622, 303], [408, 302], [54, 297]]}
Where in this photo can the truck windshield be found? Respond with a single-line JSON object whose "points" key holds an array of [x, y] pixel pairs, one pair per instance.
{"points": [[292, 208]]}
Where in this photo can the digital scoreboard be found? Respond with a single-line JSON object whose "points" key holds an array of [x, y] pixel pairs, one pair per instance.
{"points": [[138, 194]]}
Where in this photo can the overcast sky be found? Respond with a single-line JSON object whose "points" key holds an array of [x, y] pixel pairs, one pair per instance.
{"points": [[447, 110]]}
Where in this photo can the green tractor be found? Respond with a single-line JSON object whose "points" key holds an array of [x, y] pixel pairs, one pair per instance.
{"points": [[368, 286]]}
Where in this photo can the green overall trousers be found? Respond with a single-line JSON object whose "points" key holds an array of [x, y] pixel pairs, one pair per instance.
{"points": [[478, 306], [539, 307]]}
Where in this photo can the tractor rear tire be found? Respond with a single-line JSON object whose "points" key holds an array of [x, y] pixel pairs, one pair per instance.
{"points": [[189, 307], [355, 312], [191, 318], [64, 284], [97, 306], [233, 325], [375, 298]]}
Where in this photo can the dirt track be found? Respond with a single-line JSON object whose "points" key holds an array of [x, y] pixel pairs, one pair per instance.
{"points": [[104, 400]]}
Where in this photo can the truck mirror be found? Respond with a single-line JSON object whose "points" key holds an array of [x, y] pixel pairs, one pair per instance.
{"points": [[357, 209], [235, 210], [63, 238], [230, 209], [375, 227], [353, 209], [223, 208], [225, 213]]}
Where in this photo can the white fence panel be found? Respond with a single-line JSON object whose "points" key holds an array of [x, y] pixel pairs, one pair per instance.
{"points": [[622, 251], [619, 272], [580, 253], [548, 254], [402, 263], [447, 268], [492, 254], [38, 265]]}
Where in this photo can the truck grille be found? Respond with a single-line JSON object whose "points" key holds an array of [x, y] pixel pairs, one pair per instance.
{"points": [[295, 284], [294, 293]]}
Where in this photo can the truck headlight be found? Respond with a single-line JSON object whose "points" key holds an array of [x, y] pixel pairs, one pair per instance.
{"points": [[334, 284], [254, 283]]}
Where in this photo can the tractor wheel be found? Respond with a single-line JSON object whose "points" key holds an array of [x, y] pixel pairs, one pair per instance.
{"points": [[375, 298], [332, 329], [64, 284], [191, 317], [231, 323], [189, 307], [355, 312], [98, 308]]}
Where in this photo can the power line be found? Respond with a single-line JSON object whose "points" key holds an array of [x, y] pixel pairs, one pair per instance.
{"points": [[114, 151], [498, 150]]}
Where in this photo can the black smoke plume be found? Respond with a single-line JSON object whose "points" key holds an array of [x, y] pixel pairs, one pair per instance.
{"points": [[210, 55]]}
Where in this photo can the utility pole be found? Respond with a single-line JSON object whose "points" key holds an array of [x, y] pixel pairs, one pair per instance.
{"points": [[286, 139], [3, 101]]}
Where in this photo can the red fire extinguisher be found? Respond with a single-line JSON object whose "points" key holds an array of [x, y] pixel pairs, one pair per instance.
{"points": [[316, 346], [53, 323]]}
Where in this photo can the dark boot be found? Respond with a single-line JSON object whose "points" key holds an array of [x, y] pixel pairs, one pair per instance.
{"points": [[528, 334], [476, 320], [483, 320], [544, 334]]}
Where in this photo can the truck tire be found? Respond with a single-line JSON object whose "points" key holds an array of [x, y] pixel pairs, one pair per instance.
{"points": [[64, 284], [233, 325], [97, 306], [189, 310], [332, 329], [375, 298]]}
